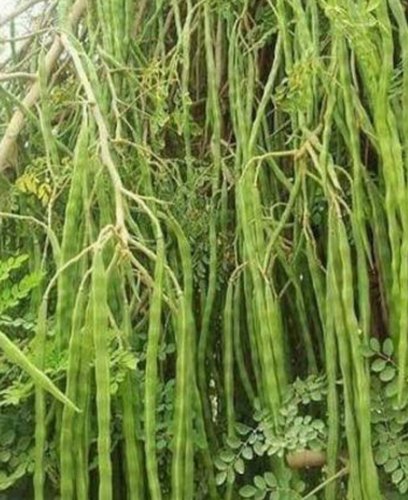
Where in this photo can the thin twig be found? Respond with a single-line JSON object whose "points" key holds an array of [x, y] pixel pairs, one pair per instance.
{"points": [[32, 220], [20, 10], [43, 23], [17, 121], [18, 74], [329, 480], [26, 36]]}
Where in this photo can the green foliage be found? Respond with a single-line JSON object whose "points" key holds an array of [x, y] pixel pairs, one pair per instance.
{"points": [[13, 293], [16, 389], [216, 193], [294, 90], [298, 432], [16, 448], [389, 421], [295, 431], [267, 486], [30, 183], [122, 362]]}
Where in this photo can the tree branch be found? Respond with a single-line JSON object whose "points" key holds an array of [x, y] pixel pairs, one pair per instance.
{"points": [[19, 74], [17, 121], [22, 8]]}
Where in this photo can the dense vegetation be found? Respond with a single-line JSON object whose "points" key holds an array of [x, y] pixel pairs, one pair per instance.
{"points": [[204, 250]]}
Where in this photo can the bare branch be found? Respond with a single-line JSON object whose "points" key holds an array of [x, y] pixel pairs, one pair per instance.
{"points": [[20, 74], [17, 121], [25, 36], [20, 10]]}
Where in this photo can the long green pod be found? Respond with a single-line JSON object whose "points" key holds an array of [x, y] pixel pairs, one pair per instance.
{"points": [[228, 360], [40, 409], [67, 448], [81, 422], [15, 355], [102, 373], [134, 464], [151, 384], [238, 346], [324, 294], [215, 120], [361, 383], [182, 480], [71, 238], [354, 487]]}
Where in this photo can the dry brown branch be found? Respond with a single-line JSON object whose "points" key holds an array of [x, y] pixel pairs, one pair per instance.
{"points": [[19, 74], [19, 10], [38, 24], [17, 121], [26, 36]]}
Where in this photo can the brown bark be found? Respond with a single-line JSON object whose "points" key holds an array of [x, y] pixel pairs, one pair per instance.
{"points": [[17, 121]]}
